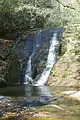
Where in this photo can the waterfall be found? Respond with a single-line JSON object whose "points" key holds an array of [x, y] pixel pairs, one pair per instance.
{"points": [[32, 48], [51, 59], [28, 73]]}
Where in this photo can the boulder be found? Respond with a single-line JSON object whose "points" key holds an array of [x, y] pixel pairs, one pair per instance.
{"points": [[8, 62]]}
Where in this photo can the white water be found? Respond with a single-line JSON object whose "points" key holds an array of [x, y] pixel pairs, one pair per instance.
{"points": [[28, 78], [28, 73], [51, 59]]}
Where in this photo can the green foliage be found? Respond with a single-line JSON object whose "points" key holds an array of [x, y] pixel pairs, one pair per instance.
{"points": [[28, 18], [13, 16], [7, 8], [26, 14]]}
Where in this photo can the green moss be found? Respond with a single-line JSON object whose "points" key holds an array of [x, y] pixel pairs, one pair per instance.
{"points": [[64, 75], [53, 72]]}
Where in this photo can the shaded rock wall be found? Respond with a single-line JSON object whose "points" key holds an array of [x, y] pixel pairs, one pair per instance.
{"points": [[4, 54], [8, 61]]}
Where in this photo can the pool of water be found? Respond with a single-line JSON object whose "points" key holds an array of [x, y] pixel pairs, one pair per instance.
{"points": [[24, 102], [26, 91]]}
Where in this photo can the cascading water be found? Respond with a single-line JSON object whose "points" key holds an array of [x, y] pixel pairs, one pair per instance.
{"points": [[33, 48], [51, 59], [28, 73]]}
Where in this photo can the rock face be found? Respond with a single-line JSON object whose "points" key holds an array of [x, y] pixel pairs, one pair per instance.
{"points": [[72, 94], [7, 60], [40, 58], [67, 70], [4, 54], [36, 46]]}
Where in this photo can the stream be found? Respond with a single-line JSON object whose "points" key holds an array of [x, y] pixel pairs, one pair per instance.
{"points": [[31, 103], [32, 98]]}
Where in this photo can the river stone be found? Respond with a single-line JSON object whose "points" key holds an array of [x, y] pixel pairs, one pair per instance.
{"points": [[72, 94]]}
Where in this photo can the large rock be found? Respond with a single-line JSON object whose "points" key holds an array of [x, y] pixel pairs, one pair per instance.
{"points": [[9, 65], [4, 54], [67, 70]]}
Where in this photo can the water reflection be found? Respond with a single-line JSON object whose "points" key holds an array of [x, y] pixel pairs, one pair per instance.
{"points": [[37, 91], [26, 91]]}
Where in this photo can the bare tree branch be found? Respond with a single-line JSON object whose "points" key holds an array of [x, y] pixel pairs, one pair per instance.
{"points": [[68, 6]]}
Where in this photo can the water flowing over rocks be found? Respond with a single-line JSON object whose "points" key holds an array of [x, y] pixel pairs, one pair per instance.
{"points": [[67, 70], [13, 58], [37, 46]]}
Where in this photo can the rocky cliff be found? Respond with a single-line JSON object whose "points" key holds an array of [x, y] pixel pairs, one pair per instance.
{"points": [[8, 63], [66, 72]]}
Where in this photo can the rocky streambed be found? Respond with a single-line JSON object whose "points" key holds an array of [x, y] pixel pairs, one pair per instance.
{"points": [[67, 70], [65, 106]]}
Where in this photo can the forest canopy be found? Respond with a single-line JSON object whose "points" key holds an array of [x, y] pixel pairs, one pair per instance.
{"points": [[28, 14]]}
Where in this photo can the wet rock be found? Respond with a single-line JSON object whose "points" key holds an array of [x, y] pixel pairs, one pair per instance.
{"points": [[39, 59], [3, 83], [4, 56], [8, 62]]}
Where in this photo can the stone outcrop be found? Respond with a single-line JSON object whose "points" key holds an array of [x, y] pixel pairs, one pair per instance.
{"points": [[4, 54], [8, 63], [66, 72]]}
